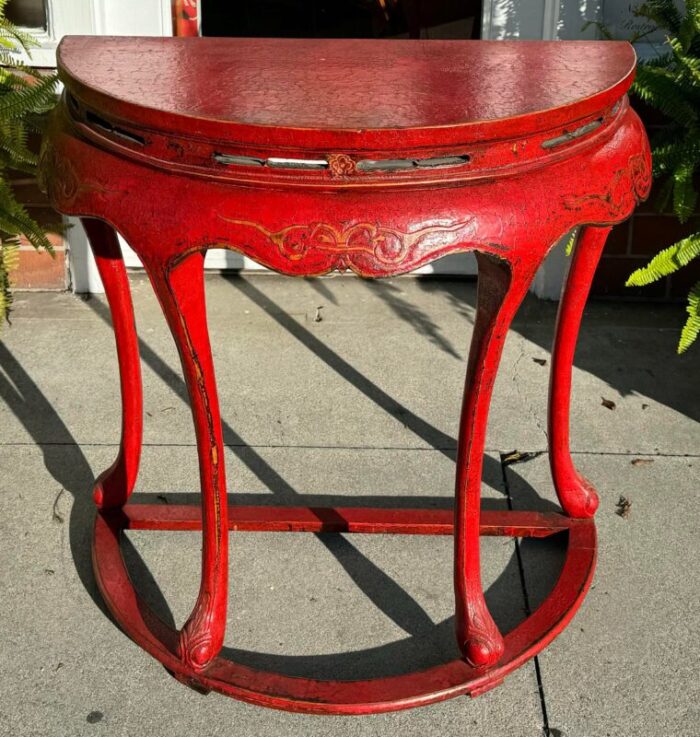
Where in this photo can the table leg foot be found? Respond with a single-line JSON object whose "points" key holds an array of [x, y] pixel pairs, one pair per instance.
{"points": [[481, 652], [576, 494]]}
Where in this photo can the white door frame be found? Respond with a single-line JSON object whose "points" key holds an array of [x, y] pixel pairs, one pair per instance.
{"points": [[97, 17]]}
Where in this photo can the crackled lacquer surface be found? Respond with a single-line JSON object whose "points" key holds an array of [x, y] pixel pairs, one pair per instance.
{"points": [[176, 144], [346, 83]]}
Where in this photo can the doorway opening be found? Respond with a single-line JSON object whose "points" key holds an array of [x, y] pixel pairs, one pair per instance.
{"points": [[433, 19]]}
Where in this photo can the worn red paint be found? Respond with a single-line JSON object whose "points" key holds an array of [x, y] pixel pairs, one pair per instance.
{"points": [[341, 519], [377, 157]]}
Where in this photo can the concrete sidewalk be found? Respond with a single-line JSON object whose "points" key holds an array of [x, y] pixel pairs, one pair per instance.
{"points": [[362, 404]]}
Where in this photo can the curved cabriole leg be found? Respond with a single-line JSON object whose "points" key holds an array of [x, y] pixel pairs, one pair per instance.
{"points": [[499, 295], [114, 486], [180, 290], [576, 495]]}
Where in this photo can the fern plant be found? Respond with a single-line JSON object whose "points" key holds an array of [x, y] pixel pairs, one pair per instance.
{"points": [[24, 96], [671, 84]]}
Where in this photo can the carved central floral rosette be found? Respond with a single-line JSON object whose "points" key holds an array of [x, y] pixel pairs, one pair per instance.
{"points": [[341, 165]]}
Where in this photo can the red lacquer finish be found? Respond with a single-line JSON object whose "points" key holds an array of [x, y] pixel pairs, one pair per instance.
{"points": [[343, 519], [374, 157], [281, 691], [114, 486], [576, 494], [180, 289]]}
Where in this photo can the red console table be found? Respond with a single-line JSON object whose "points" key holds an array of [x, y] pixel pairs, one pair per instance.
{"points": [[372, 156]]}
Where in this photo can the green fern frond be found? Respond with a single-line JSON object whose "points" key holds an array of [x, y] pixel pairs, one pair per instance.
{"points": [[659, 88], [662, 13], [692, 9], [9, 255], [689, 249], [664, 195], [12, 67], [671, 83], [691, 329], [8, 161], [14, 151], [666, 262], [22, 222], [663, 60], [9, 32], [670, 155], [15, 220], [684, 195], [602, 29], [24, 92], [690, 25], [23, 100], [11, 57], [569, 248], [9, 260], [686, 63]]}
